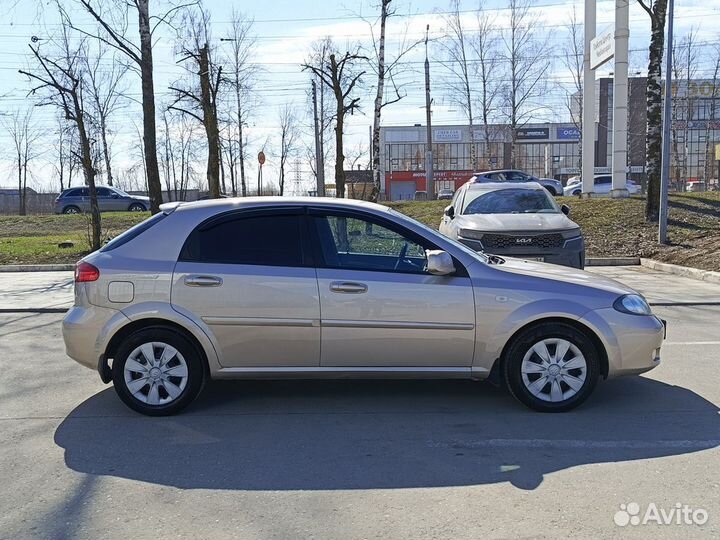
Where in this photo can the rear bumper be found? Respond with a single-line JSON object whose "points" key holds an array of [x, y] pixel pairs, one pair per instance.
{"points": [[85, 332]]}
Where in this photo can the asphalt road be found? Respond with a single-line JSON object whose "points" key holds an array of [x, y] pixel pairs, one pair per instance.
{"points": [[355, 459]]}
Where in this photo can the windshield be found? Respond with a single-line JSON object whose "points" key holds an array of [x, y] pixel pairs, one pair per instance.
{"points": [[510, 201], [120, 191]]}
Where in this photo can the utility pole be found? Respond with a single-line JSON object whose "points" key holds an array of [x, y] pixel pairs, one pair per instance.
{"points": [[665, 170], [429, 184], [319, 159], [620, 100], [587, 173]]}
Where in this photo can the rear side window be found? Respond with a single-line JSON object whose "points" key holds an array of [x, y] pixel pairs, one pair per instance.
{"points": [[270, 240], [72, 193], [133, 232]]}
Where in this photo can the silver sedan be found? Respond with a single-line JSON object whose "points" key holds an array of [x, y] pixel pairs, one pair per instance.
{"points": [[292, 287]]}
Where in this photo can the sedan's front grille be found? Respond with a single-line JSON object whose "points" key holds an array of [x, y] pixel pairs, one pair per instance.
{"points": [[504, 241]]}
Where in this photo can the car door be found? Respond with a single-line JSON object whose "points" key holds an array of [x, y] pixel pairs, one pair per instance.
{"points": [[379, 306], [104, 198], [248, 277], [446, 221], [83, 199], [603, 184]]}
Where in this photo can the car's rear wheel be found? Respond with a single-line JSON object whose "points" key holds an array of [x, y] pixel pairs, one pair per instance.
{"points": [[551, 367], [71, 210], [157, 371], [136, 207]]}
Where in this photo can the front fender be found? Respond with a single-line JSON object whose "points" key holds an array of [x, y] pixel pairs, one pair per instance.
{"points": [[495, 333]]}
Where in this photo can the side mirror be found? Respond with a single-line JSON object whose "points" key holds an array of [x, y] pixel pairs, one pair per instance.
{"points": [[449, 211], [565, 209], [439, 262]]}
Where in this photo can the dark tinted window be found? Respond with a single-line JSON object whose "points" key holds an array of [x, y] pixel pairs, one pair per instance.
{"points": [[272, 240], [603, 180], [72, 193], [509, 201], [103, 192], [133, 232]]}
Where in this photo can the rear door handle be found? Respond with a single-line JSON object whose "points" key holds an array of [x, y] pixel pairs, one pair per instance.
{"points": [[350, 287], [203, 281]]}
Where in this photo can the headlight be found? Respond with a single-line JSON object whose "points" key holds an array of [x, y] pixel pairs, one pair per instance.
{"points": [[571, 233], [469, 233], [633, 304]]}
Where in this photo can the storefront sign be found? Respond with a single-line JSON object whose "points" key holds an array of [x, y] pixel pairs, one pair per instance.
{"points": [[567, 134], [602, 49], [447, 135], [524, 134]]}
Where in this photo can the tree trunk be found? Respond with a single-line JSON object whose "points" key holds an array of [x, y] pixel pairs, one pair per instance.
{"points": [[653, 95], [377, 183], [152, 170], [339, 154], [210, 123], [106, 150], [89, 171], [21, 202], [241, 142]]}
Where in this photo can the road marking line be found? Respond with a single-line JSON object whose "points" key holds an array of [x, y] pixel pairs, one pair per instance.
{"points": [[691, 343]]}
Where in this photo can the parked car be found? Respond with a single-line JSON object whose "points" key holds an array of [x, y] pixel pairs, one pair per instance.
{"points": [[314, 287], [110, 199], [520, 220], [603, 185], [445, 194], [553, 186]]}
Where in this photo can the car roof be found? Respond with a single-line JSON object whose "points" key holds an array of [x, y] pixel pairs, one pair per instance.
{"points": [[233, 203], [499, 171], [493, 186]]}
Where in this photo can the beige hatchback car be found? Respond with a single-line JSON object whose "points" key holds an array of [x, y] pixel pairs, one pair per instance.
{"points": [[310, 287]]}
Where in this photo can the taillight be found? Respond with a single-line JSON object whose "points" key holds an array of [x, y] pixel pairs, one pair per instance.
{"points": [[85, 271]]}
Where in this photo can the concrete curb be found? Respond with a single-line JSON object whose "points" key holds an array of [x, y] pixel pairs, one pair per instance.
{"points": [[685, 271], [37, 268], [612, 261]]}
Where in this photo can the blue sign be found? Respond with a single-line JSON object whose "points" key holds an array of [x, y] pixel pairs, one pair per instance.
{"points": [[568, 134]]}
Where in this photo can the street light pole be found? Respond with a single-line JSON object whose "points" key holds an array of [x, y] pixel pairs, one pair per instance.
{"points": [[665, 170], [429, 184]]}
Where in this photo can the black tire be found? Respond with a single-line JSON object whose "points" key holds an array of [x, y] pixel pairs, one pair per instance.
{"points": [[71, 209], [577, 193], [137, 207], [190, 354], [523, 343]]}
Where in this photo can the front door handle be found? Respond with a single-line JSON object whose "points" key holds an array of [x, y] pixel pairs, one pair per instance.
{"points": [[350, 287], [203, 281]]}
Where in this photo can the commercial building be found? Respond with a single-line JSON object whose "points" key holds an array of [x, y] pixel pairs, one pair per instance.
{"points": [[552, 150]]}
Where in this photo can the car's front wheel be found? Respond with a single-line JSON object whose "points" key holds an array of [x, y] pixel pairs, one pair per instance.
{"points": [[136, 207], [71, 210], [157, 371], [551, 367]]}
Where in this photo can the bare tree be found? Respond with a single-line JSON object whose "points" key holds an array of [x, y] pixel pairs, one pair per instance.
{"points": [[320, 52], [384, 70], [657, 10], [113, 18], [289, 134], [485, 47], [105, 90], [526, 56], [59, 79], [24, 136], [457, 61], [200, 100], [338, 75], [242, 79], [572, 59]]}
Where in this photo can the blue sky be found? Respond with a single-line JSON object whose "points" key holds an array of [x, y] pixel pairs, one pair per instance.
{"points": [[285, 29]]}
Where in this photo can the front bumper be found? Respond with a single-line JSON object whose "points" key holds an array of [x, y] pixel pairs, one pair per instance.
{"points": [[571, 254], [632, 342]]}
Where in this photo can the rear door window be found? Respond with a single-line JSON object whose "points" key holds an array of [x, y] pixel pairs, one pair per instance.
{"points": [[267, 240]]}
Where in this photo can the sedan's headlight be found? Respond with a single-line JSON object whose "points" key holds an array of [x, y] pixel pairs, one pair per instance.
{"points": [[470, 233], [633, 304]]}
